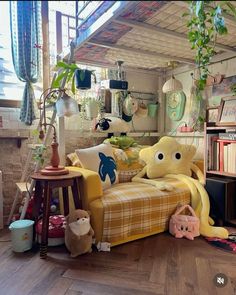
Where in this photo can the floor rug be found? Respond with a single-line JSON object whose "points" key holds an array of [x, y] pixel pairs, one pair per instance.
{"points": [[228, 245]]}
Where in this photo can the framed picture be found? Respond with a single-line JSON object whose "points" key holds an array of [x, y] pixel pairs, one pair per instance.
{"points": [[212, 116], [227, 112]]}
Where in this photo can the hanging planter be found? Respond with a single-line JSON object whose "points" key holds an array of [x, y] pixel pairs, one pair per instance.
{"points": [[91, 109], [76, 77], [83, 79]]}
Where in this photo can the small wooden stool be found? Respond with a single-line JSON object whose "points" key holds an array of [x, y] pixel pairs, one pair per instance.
{"points": [[43, 187]]}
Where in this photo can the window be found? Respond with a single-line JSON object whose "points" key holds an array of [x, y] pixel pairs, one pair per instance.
{"points": [[11, 88], [61, 27]]}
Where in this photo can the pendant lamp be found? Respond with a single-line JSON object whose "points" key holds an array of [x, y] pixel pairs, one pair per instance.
{"points": [[172, 84]]}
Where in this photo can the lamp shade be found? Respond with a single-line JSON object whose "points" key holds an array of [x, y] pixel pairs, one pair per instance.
{"points": [[172, 85], [66, 106]]}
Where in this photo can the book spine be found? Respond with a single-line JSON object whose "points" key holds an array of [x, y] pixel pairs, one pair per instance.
{"points": [[220, 156], [227, 136]]}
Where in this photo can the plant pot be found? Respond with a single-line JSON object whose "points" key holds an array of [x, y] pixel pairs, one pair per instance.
{"points": [[152, 109], [91, 109], [83, 79]]}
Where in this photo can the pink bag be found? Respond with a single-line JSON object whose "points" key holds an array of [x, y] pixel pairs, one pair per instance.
{"points": [[184, 225]]}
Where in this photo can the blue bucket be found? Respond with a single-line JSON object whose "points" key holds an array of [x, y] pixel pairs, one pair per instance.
{"points": [[21, 235]]}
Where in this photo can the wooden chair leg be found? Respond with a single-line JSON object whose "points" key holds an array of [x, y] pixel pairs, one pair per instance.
{"points": [[65, 200], [46, 210], [37, 200], [76, 195], [13, 206]]}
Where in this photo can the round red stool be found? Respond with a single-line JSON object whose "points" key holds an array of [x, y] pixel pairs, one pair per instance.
{"points": [[56, 230]]}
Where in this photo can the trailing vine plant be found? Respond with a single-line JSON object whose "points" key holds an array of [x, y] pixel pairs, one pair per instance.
{"points": [[206, 22]]}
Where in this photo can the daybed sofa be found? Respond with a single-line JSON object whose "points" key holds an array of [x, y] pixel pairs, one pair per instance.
{"points": [[138, 209], [129, 210]]}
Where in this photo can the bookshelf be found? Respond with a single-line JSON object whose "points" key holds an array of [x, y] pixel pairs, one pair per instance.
{"points": [[220, 171]]}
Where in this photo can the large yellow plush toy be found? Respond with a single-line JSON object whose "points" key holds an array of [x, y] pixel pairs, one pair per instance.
{"points": [[168, 158]]}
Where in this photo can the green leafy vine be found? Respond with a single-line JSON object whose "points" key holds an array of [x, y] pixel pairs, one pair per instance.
{"points": [[205, 23]]}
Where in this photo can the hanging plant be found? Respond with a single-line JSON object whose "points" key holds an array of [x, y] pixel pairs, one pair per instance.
{"points": [[205, 23], [68, 72]]}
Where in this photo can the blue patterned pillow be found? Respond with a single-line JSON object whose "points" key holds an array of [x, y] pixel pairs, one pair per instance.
{"points": [[100, 159]]}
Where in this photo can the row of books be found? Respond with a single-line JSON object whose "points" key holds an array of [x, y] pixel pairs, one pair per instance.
{"points": [[221, 149]]}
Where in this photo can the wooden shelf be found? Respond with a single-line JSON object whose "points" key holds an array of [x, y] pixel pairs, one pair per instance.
{"points": [[220, 127], [186, 134], [221, 173], [18, 139], [232, 222]]}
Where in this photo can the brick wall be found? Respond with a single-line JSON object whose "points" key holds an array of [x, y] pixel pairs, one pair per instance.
{"points": [[12, 159]]}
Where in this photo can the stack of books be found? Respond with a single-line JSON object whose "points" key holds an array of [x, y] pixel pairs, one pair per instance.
{"points": [[221, 150]]}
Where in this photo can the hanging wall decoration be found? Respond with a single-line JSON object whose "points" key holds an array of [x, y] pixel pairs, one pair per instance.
{"points": [[175, 104]]}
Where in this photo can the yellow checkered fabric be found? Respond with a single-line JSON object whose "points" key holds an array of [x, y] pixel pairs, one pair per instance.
{"points": [[136, 208]]}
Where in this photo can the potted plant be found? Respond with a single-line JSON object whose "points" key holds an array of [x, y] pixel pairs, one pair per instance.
{"points": [[91, 107], [79, 78], [83, 78]]}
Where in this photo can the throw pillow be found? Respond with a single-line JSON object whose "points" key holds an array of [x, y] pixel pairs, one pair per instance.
{"points": [[100, 159], [128, 163]]}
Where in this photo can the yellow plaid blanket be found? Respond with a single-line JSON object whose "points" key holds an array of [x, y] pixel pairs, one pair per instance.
{"points": [[136, 208]]}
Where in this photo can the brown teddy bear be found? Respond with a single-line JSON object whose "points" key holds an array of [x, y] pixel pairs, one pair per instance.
{"points": [[78, 233]]}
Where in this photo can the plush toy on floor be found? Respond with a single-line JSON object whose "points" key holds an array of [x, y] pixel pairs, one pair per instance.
{"points": [[78, 233], [168, 158]]}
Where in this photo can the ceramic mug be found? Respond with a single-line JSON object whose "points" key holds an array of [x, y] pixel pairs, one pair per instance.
{"points": [[142, 110], [152, 109]]}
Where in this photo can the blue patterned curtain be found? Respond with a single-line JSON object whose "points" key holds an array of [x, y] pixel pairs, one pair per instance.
{"points": [[25, 22]]}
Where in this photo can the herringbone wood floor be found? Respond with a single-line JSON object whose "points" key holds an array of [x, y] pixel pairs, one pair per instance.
{"points": [[159, 264]]}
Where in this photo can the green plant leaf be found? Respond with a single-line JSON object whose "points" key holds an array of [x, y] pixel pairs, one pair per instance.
{"points": [[73, 84], [56, 82], [61, 64], [82, 75]]}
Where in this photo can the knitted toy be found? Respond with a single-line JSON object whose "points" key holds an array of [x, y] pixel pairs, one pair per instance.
{"points": [[168, 158], [78, 233]]}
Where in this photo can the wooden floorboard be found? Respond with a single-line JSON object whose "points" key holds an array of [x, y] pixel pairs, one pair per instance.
{"points": [[159, 265]]}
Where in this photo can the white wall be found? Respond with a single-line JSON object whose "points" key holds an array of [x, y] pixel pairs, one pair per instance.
{"points": [[142, 81]]}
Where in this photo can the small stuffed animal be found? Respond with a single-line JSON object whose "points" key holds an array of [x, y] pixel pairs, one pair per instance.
{"points": [[112, 124], [78, 233]]}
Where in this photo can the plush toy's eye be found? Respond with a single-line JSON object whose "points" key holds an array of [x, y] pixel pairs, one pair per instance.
{"points": [[176, 156], [159, 156]]}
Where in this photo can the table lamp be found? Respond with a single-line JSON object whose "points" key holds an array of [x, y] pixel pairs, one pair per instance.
{"points": [[65, 106]]}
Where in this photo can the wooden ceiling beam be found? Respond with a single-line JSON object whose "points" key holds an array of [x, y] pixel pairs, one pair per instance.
{"points": [[156, 30], [141, 51]]}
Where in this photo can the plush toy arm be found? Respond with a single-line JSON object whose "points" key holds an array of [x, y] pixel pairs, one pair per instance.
{"points": [[91, 232], [198, 173], [159, 185]]}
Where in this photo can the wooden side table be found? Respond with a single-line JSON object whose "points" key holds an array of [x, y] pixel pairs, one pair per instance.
{"points": [[43, 187]]}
